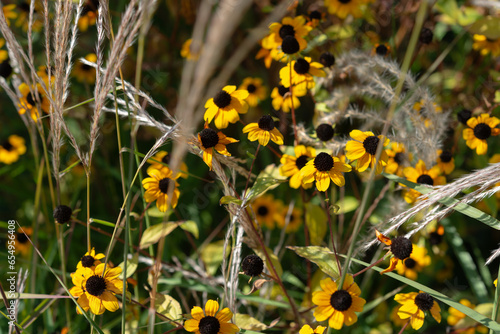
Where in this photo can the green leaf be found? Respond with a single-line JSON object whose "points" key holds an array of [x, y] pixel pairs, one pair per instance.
{"points": [[154, 233], [497, 97], [348, 204], [452, 14], [460, 207], [230, 199], [244, 321], [268, 179], [191, 227], [168, 306], [101, 222], [131, 266], [156, 213], [321, 256], [316, 223], [487, 26], [274, 260], [212, 254]]}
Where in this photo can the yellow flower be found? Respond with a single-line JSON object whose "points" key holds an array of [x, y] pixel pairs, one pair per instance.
{"points": [[306, 329], [268, 211], [363, 149], [89, 15], [420, 107], [23, 245], [342, 8], [85, 73], [9, 13], [415, 263], [302, 74], [295, 27], [324, 168], [295, 220], [162, 158], [445, 161], [256, 90], [226, 106], [400, 247], [5, 67], [397, 158], [263, 130], [338, 305], [282, 99], [486, 45], [187, 52], [291, 165], [479, 130], [24, 12], [455, 316], [157, 188], [11, 149], [95, 290], [266, 55], [420, 174], [382, 50], [414, 305], [90, 260], [29, 102], [211, 319], [315, 18], [210, 140]]}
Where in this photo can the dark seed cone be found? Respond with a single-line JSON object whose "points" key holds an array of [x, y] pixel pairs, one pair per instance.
{"points": [[252, 265], [62, 214]]}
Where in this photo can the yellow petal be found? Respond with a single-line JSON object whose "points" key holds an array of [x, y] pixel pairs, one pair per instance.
{"points": [[211, 307]]}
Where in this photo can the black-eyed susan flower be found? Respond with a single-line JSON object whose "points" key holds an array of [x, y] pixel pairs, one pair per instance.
{"points": [[23, 21], [382, 50], [157, 188], [479, 130], [343, 8], [85, 73], [282, 99], [302, 72], [464, 115], [400, 247], [11, 149], [289, 47], [486, 45], [90, 260], [212, 321], [397, 159], [211, 140], [9, 12], [454, 316], [436, 235], [445, 161], [263, 131], [267, 210], [226, 106], [420, 107], [96, 289], [324, 168], [266, 55], [295, 27], [314, 18], [338, 305], [5, 68], [414, 305], [421, 175], [291, 165], [295, 220], [89, 15], [29, 101], [252, 265], [23, 245], [256, 90], [364, 148], [327, 59], [162, 159], [415, 263], [306, 329], [62, 214], [187, 52]]}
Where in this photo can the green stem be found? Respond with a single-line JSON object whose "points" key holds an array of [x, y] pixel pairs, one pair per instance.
{"points": [[496, 303]]}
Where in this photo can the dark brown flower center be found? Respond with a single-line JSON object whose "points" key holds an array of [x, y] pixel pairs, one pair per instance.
{"points": [[21, 238], [426, 36], [341, 300], [445, 156], [209, 325], [410, 263], [86, 68], [425, 179], [382, 50], [290, 45], [315, 15], [87, 261], [62, 214], [435, 238], [301, 66], [31, 99], [464, 115], [7, 146], [344, 1], [252, 265], [323, 162], [166, 158], [286, 30], [262, 211], [301, 161], [251, 88], [327, 59], [324, 132], [370, 144], [266, 123], [90, 6], [401, 247], [209, 138], [222, 99], [482, 131], [399, 158], [95, 285], [283, 90], [424, 301], [163, 185], [5, 69]]}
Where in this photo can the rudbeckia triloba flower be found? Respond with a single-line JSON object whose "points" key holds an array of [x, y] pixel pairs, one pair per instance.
{"points": [[479, 130], [226, 106], [445, 161], [11, 149], [29, 101], [295, 27], [325, 132], [338, 305], [23, 245], [211, 321], [414, 305], [89, 14], [5, 68], [187, 52], [211, 140], [291, 165], [314, 18], [324, 168], [263, 130], [96, 290], [303, 70], [162, 158], [252, 265], [85, 73], [455, 316], [400, 247], [267, 210], [62, 214], [282, 99], [295, 220], [382, 50], [415, 263], [90, 260], [23, 17], [342, 8], [397, 158], [420, 174], [306, 329], [9, 13], [364, 148], [256, 90], [157, 188], [486, 45]]}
